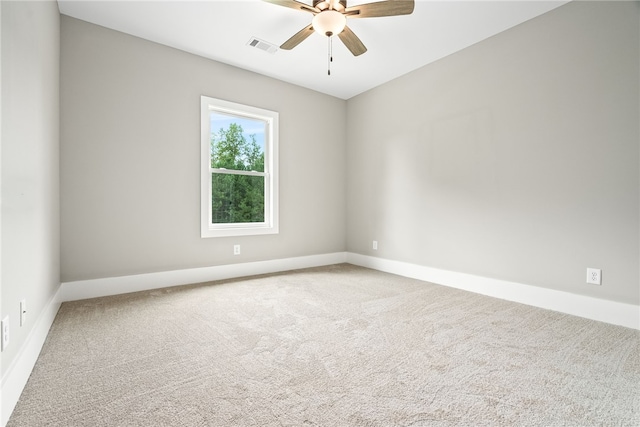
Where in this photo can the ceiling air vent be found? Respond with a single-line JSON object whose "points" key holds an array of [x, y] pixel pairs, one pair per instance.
{"points": [[262, 45]]}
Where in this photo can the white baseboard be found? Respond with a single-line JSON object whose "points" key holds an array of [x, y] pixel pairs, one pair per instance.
{"points": [[613, 312], [84, 289], [17, 375]]}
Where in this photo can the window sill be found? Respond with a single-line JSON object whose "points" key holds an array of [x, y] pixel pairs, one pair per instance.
{"points": [[238, 230]]}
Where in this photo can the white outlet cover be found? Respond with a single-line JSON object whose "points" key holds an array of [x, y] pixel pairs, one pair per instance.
{"points": [[23, 312], [4, 328], [594, 276]]}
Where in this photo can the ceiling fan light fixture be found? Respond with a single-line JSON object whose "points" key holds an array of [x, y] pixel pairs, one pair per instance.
{"points": [[329, 22]]}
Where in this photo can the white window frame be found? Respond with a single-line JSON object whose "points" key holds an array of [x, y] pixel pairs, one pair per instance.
{"points": [[270, 224]]}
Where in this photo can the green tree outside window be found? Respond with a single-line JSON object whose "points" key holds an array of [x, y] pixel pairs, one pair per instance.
{"points": [[237, 194]]}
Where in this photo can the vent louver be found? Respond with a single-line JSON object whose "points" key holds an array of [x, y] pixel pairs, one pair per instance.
{"points": [[262, 45]]}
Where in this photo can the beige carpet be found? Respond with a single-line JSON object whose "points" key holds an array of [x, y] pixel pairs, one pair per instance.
{"points": [[332, 346]]}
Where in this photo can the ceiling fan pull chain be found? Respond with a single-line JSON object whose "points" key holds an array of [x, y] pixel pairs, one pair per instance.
{"points": [[331, 49], [330, 57]]}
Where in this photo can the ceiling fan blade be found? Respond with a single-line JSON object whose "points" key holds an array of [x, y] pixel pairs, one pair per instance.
{"points": [[297, 38], [293, 4], [381, 8], [352, 42]]}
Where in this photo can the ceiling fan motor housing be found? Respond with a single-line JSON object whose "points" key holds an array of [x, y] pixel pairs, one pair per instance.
{"points": [[324, 4]]}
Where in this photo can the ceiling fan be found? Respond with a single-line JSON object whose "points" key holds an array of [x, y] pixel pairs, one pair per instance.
{"points": [[330, 19]]}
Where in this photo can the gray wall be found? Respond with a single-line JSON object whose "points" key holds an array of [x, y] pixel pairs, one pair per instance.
{"points": [[30, 254], [515, 159], [130, 167]]}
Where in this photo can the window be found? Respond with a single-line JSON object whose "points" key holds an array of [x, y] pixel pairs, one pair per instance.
{"points": [[239, 184]]}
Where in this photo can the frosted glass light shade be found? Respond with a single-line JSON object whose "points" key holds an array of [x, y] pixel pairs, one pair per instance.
{"points": [[329, 22]]}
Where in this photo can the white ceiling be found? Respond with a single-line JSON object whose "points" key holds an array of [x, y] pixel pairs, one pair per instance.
{"points": [[221, 30]]}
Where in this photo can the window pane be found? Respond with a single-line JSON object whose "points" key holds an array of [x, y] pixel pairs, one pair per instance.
{"points": [[236, 198], [237, 143]]}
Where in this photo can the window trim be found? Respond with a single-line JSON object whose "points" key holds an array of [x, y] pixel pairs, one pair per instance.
{"points": [[270, 225]]}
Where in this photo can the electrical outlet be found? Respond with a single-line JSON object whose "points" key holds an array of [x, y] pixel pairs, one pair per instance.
{"points": [[375, 245], [23, 312], [236, 249], [5, 333], [594, 276]]}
